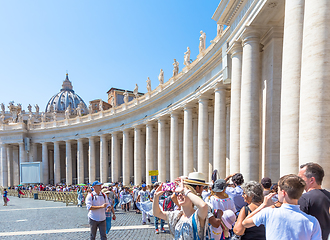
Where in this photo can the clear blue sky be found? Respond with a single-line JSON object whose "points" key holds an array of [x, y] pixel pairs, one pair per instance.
{"points": [[101, 43]]}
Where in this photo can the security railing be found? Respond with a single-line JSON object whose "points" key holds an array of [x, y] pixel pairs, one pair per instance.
{"points": [[65, 197]]}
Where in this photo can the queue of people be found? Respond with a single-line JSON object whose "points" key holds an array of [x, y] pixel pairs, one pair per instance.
{"points": [[224, 209]]}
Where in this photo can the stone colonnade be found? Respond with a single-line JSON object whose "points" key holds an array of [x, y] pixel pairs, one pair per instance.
{"points": [[270, 119]]}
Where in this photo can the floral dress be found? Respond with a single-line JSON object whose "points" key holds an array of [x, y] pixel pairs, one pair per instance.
{"points": [[182, 227]]}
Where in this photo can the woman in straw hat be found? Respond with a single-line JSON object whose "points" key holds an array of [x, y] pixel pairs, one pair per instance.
{"points": [[186, 223]]}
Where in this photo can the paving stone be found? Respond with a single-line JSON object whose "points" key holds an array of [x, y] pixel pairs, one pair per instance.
{"points": [[27, 214]]}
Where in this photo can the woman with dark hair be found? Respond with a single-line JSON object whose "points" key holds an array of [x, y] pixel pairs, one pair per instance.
{"points": [[253, 196], [236, 192]]}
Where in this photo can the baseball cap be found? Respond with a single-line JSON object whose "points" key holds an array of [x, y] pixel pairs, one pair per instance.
{"points": [[96, 183], [143, 185]]}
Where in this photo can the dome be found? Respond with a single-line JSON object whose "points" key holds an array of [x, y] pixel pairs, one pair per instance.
{"points": [[66, 97]]}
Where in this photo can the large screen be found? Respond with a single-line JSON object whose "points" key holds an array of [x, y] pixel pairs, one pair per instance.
{"points": [[30, 172]]}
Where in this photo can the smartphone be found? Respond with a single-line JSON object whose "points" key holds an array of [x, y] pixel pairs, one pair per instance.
{"points": [[168, 186]]}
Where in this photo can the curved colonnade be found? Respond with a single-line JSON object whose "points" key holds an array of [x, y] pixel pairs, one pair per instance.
{"points": [[228, 110]]}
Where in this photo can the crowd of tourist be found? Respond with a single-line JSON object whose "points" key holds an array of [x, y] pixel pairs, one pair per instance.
{"points": [[223, 209]]}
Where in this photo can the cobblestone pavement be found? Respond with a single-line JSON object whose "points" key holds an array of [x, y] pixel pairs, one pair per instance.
{"points": [[26, 218]]}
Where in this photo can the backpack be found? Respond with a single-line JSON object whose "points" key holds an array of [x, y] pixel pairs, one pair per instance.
{"points": [[168, 204], [94, 196]]}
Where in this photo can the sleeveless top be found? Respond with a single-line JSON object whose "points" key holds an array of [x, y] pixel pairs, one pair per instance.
{"points": [[253, 233]]}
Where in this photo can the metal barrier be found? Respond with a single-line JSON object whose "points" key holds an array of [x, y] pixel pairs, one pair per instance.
{"points": [[65, 197]]}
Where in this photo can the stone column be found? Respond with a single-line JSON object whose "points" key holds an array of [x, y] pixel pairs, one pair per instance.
{"points": [[203, 136], [4, 166], [195, 140], [174, 147], [188, 154], [180, 146], [114, 157], [104, 161], [235, 108], [80, 161], [91, 159], [45, 174], [219, 149], [57, 167], [16, 166], [161, 150], [211, 139], [10, 165], [68, 163], [314, 128], [250, 113], [149, 151], [290, 92], [137, 156], [51, 165], [22, 154], [227, 136], [126, 148]]}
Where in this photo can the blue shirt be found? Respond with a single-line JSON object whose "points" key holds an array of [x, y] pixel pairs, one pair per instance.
{"points": [[288, 222], [236, 195]]}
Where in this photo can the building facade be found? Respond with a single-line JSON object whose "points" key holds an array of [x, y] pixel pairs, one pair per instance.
{"points": [[255, 101]]}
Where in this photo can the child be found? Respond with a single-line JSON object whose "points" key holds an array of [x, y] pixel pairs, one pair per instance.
{"points": [[143, 197], [109, 210], [220, 201]]}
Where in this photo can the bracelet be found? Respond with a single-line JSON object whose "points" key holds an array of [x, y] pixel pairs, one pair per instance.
{"points": [[186, 193]]}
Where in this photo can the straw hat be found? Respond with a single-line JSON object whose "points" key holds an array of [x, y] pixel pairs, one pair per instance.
{"points": [[196, 178], [105, 191]]}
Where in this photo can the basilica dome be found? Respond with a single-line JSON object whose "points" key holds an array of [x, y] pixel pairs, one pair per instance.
{"points": [[66, 97]]}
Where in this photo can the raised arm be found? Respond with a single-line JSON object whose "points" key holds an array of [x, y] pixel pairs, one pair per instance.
{"points": [[157, 212]]}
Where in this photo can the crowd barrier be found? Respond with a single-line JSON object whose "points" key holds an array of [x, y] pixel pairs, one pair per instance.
{"points": [[65, 197]]}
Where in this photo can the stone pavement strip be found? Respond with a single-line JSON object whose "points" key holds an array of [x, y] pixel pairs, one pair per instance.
{"points": [[26, 218]]}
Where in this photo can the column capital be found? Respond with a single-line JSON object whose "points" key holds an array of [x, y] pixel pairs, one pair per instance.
{"points": [[219, 87], [250, 35], [162, 119], [104, 135], [69, 141], [150, 123], [92, 138], [175, 113], [203, 99], [189, 105], [235, 49], [140, 126]]}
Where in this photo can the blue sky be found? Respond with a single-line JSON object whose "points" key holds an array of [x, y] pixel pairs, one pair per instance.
{"points": [[101, 43]]}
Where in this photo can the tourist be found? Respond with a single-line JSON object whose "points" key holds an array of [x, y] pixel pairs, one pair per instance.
{"points": [[80, 198], [236, 192], [266, 182], [109, 210], [96, 202], [316, 201], [135, 196], [253, 196], [126, 199], [143, 196], [116, 191], [156, 219], [220, 201], [206, 192], [288, 221], [5, 200], [187, 223]]}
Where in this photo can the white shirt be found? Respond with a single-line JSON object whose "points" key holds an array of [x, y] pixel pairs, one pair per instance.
{"points": [[98, 200]]}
